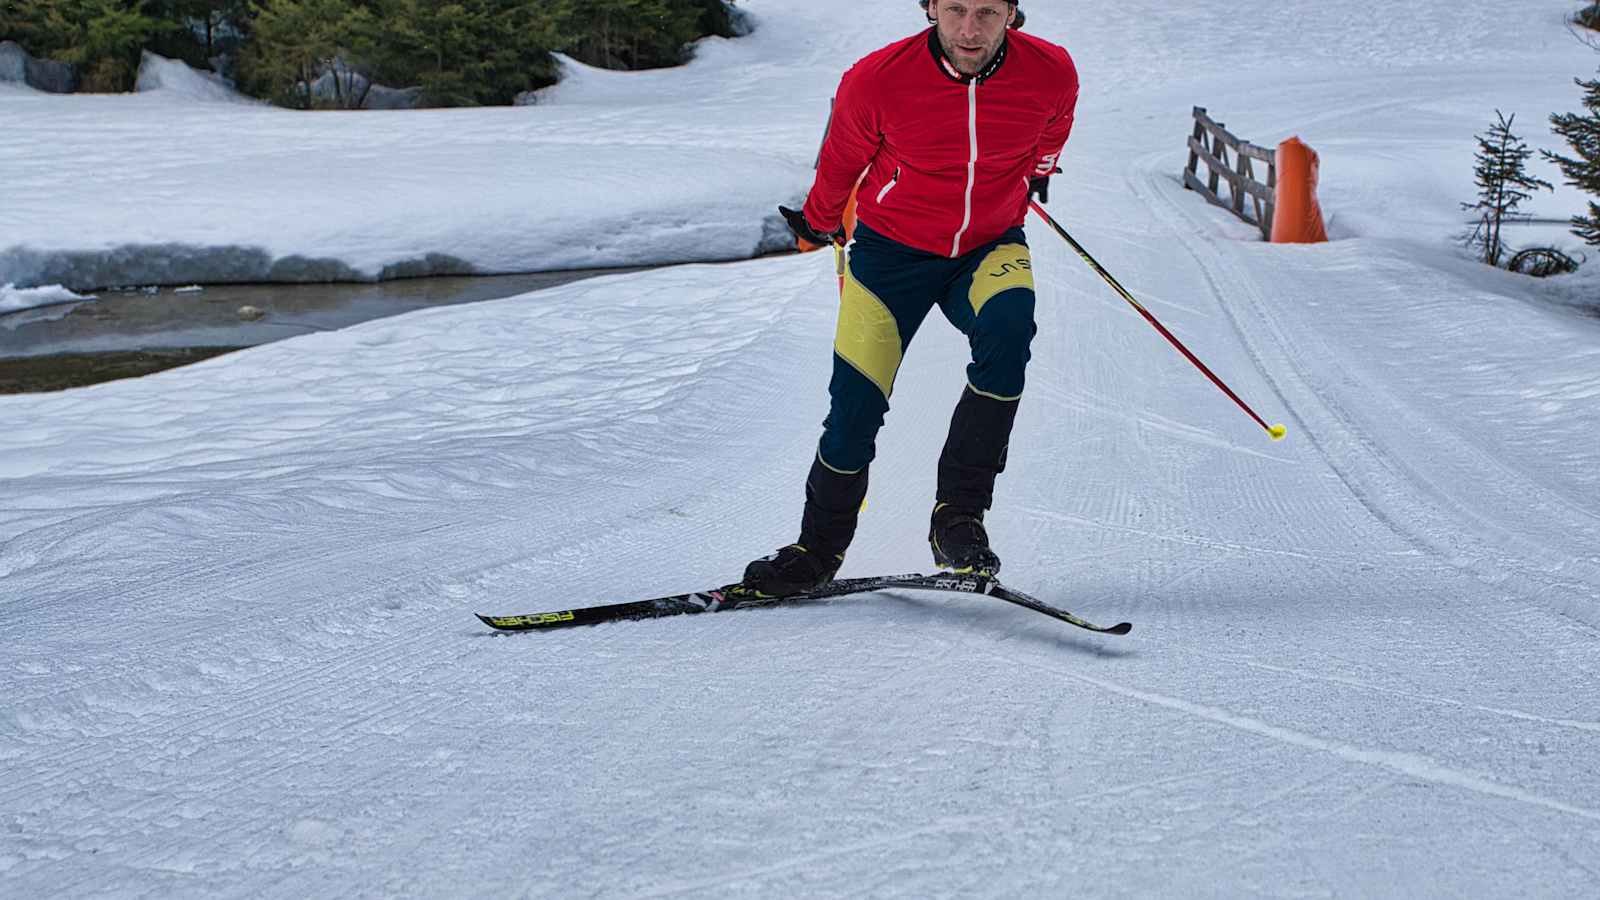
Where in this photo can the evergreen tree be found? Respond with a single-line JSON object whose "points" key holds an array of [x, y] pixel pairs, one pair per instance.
{"points": [[1582, 132], [295, 41], [461, 52], [115, 34], [1503, 183], [208, 26], [467, 52], [102, 38], [639, 34]]}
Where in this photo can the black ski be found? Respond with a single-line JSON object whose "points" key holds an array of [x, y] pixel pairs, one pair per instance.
{"points": [[734, 596]]}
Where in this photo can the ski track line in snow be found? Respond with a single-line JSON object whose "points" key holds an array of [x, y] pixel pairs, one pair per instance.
{"points": [[1399, 474], [951, 824], [148, 809], [325, 676], [1340, 561], [1578, 724], [1553, 849], [1190, 235], [947, 825], [1240, 814], [1174, 223], [265, 569], [152, 808], [312, 677], [1050, 390], [1184, 574], [1411, 765], [236, 714]]}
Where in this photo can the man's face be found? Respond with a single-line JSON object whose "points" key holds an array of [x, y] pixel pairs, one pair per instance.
{"points": [[971, 30]]}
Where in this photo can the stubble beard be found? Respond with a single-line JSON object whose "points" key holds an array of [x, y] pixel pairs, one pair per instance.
{"points": [[951, 48]]}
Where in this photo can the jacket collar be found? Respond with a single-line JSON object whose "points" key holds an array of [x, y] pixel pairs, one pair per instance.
{"points": [[949, 68]]}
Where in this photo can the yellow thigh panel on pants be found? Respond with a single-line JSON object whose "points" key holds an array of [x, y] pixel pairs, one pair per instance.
{"points": [[867, 337]]}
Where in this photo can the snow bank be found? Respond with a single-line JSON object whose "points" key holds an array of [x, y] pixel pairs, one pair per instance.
{"points": [[178, 189], [15, 299], [581, 83], [181, 82]]}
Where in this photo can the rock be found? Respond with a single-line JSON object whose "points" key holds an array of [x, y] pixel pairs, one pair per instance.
{"points": [[17, 65], [13, 62], [381, 97], [52, 76], [339, 82]]}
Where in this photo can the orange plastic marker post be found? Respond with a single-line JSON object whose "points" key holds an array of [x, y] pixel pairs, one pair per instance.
{"points": [[1298, 216]]}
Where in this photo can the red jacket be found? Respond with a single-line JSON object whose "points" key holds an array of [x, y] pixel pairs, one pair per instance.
{"points": [[947, 157]]}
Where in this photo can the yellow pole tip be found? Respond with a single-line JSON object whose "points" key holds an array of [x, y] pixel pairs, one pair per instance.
{"points": [[1277, 432]]}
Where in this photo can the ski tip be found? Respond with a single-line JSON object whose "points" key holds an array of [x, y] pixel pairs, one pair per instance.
{"points": [[507, 623], [1122, 628]]}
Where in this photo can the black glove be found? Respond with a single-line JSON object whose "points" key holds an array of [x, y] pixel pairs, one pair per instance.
{"points": [[808, 238], [1039, 185]]}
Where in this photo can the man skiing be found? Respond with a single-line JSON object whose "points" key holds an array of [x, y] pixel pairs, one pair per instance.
{"points": [[949, 132]]}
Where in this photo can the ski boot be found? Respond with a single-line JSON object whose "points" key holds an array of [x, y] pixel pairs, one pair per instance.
{"points": [[792, 570], [959, 542]]}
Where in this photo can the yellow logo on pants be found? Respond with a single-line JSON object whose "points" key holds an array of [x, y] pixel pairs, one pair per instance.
{"points": [[1007, 266]]}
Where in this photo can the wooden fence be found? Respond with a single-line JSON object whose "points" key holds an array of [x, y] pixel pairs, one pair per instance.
{"points": [[1212, 143]]}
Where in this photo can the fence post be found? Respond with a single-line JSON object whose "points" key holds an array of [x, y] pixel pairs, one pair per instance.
{"points": [[1210, 142], [1270, 213], [1245, 175], [1199, 136]]}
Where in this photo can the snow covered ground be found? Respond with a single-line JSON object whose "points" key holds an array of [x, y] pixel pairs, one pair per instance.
{"points": [[237, 653]]}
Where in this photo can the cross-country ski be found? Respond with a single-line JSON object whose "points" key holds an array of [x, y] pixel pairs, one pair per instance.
{"points": [[737, 596]]}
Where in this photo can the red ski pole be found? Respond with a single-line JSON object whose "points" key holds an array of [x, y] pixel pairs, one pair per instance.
{"points": [[1276, 431]]}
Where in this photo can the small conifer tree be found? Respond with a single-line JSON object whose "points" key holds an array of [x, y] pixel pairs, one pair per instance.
{"points": [[1589, 16], [1503, 183], [1582, 131]]}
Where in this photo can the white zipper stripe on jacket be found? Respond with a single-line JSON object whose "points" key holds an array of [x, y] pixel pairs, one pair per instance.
{"points": [[892, 182], [972, 162]]}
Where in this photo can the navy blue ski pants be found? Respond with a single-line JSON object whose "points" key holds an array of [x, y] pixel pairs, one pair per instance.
{"points": [[889, 289]]}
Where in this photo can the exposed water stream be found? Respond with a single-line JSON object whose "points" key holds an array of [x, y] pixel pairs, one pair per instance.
{"points": [[126, 333]]}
